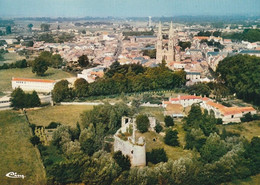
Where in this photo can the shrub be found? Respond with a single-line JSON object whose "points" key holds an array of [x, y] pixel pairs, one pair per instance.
{"points": [[122, 161], [171, 138], [53, 125], [156, 156], [35, 140], [168, 121], [158, 128]]}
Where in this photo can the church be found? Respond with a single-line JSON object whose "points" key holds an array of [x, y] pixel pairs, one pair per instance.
{"points": [[166, 51]]}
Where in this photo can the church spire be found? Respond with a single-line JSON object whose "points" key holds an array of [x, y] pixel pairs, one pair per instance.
{"points": [[159, 36], [171, 31]]}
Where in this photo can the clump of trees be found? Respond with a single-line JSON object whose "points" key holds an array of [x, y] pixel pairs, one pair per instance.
{"points": [[184, 45], [18, 64], [240, 74], [150, 53], [251, 35], [44, 60], [19, 99], [122, 161], [156, 156]]}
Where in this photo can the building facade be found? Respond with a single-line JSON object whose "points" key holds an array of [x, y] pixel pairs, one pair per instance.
{"points": [[38, 85], [167, 51]]}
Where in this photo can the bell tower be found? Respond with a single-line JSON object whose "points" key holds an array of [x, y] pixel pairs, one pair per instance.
{"points": [[159, 43]]}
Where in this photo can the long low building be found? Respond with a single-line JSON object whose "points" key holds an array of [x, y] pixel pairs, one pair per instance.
{"points": [[227, 114], [29, 84]]}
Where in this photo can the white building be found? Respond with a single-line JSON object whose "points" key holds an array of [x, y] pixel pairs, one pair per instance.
{"points": [[38, 85]]}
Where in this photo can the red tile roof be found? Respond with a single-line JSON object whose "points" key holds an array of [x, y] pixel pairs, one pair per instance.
{"points": [[33, 80]]}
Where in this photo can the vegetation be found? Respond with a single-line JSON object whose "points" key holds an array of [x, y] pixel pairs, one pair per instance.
{"points": [[240, 74], [45, 27], [48, 114], [199, 89], [150, 53], [142, 123], [156, 156], [158, 128], [20, 100], [17, 64], [138, 33], [168, 121], [122, 161], [61, 91], [16, 151], [184, 45], [251, 35], [171, 138]]}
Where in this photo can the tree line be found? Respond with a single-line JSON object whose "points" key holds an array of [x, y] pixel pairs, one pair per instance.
{"points": [[122, 78], [240, 74]]}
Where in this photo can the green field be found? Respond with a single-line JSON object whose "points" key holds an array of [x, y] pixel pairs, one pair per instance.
{"points": [[17, 154], [11, 58], [248, 129], [64, 114], [6, 76]]}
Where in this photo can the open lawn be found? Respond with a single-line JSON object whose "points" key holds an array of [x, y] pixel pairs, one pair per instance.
{"points": [[17, 154], [248, 129], [64, 114], [6, 76], [157, 112], [173, 153]]}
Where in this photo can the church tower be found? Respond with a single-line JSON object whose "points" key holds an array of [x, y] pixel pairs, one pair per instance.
{"points": [[159, 49], [165, 52]]}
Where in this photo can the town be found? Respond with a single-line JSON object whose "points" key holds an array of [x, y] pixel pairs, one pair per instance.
{"points": [[134, 100]]}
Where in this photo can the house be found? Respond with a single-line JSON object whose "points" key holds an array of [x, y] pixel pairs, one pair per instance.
{"points": [[29, 84]]}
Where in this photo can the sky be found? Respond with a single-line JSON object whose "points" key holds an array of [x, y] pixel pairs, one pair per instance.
{"points": [[126, 8]]}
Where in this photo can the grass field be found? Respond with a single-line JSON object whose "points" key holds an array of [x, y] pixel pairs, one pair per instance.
{"points": [[11, 57], [157, 112], [64, 114], [17, 154], [6, 76], [248, 130]]}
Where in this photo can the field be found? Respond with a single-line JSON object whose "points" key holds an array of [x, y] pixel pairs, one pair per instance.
{"points": [[157, 112], [6, 76], [64, 114], [17, 154], [11, 57], [248, 130]]}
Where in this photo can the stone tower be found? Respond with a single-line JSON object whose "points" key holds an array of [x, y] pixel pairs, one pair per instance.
{"points": [[165, 52]]}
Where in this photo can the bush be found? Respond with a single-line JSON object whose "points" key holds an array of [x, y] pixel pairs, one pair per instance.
{"points": [[158, 128], [168, 121], [156, 156], [35, 140], [122, 161], [53, 125], [142, 123], [171, 138]]}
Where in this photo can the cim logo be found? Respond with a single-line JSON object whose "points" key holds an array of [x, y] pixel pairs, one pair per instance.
{"points": [[14, 175]]}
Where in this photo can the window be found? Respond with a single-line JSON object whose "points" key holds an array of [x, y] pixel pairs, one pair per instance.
{"points": [[232, 116]]}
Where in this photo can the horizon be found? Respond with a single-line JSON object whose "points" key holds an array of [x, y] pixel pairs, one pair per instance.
{"points": [[126, 9]]}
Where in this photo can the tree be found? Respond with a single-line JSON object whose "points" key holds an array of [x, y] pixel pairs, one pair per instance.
{"points": [[158, 128], [30, 26], [122, 161], [83, 61], [45, 27], [213, 149], [171, 138], [32, 100], [142, 123], [35, 140], [61, 91], [81, 87], [56, 61], [17, 98], [8, 30], [168, 121], [39, 66], [156, 156], [199, 89], [194, 118], [21, 63]]}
